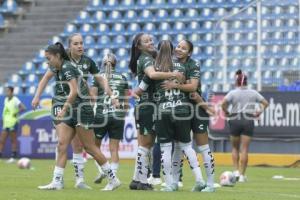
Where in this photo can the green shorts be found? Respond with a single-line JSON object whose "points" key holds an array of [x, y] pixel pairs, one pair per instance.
{"points": [[81, 116], [145, 120], [109, 125], [169, 129], [200, 121]]}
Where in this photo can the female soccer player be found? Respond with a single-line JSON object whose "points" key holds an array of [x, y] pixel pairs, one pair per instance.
{"points": [[241, 121], [70, 111], [86, 66], [12, 107], [142, 63], [110, 120], [200, 121]]}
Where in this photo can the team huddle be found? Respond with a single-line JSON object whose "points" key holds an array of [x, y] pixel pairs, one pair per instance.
{"points": [[168, 107]]}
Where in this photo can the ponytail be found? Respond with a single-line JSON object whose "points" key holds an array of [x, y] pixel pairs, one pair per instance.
{"points": [[135, 53], [108, 63], [241, 78], [58, 48]]}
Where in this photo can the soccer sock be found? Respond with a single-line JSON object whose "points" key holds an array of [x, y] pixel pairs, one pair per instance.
{"points": [[135, 173], [14, 154], [156, 155], [114, 167], [78, 163], [176, 162], [209, 163], [106, 168], [58, 174], [99, 168], [166, 162], [191, 156], [142, 164]]}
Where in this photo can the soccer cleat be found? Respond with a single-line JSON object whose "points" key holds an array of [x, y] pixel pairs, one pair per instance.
{"points": [[144, 186], [133, 185], [52, 186], [208, 189], [11, 160], [199, 186], [100, 178], [112, 185], [236, 174], [242, 179], [82, 185], [154, 181], [180, 184]]}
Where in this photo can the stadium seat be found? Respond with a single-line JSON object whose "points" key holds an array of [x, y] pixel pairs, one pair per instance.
{"points": [[179, 27], [30, 80], [127, 4], [206, 13], [39, 57], [157, 4], [117, 28], [277, 10], [130, 16], [172, 4], [176, 15], [98, 17], [119, 41], [69, 30], [89, 41], [42, 68], [161, 14], [92, 53], [180, 37], [86, 29], [145, 16], [165, 37], [149, 28], [27, 68], [111, 5], [103, 42], [164, 28], [133, 28], [9, 6], [83, 17], [123, 65], [122, 54], [15, 80], [191, 14], [193, 27], [114, 16], [101, 29], [143, 4], [94, 5], [194, 38]]}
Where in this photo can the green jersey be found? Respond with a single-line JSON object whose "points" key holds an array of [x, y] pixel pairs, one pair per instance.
{"points": [[61, 88], [85, 66], [119, 86], [193, 72], [173, 100], [144, 61], [10, 112]]}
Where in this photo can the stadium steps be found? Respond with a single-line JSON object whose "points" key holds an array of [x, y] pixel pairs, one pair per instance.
{"points": [[43, 21]]}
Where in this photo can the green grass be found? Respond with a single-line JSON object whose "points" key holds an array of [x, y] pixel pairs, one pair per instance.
{"points": [[20, 184]]}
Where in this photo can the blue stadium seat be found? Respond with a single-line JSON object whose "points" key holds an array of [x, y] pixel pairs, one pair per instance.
{"points": [[157, 4], [149, 28], [207, 13], [123, 65], [145, 16], [191, 14], [89, 41], [101, 29], [111, 5], [98, 17], [94, 5], [30, 80], [83, 17], [179, 27], [69, 30], [27, 68], [119, 41], [164, 28], [165, 37], [172, 4], [15, 80], [117, 28], [193, 27], [9, 6], [176, 15], [31, 90], [122, 54], [103, 42], [130, 16], [54, 40], [104, 52], [127, 4], [143, 4], [92, 53], [39, 57], [86, 29], [133, 28], [42, 68], [114, 16], [194, 38], [2, 90], [179, 37], [161, 15]]}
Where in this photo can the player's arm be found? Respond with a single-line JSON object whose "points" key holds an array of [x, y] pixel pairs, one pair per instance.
{"points": [[22, 107], [263, 105], [190, 86], [42, 84], [202, 103], [224, 106], [154, 75]]}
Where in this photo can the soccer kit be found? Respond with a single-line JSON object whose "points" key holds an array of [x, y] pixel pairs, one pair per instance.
{"points": [[81, 111], [108, 118], [144, 110], [10, 112]]}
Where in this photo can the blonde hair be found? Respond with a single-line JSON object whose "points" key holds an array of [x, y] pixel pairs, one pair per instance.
{"points": [[163, 61], [109, 62]]}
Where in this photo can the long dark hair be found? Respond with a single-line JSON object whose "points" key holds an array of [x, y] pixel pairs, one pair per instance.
{"points": [[58, 48], [241, 78], [135, 53], [163, 61]]}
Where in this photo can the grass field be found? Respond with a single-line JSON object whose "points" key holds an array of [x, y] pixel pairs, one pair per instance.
{"points": [[17, 184]]}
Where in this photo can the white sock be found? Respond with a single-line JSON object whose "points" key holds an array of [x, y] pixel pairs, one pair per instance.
{"points": [[209, 163], [191, 156], [166, 162], [58, 174], [142, 164], [176, 162], [114, 167], [108, 172], [99, 168], [78, 163]]}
